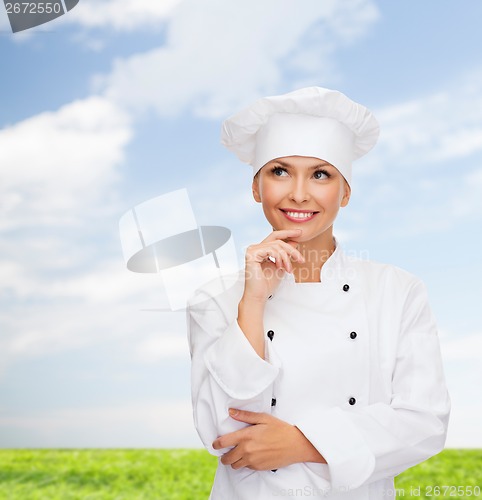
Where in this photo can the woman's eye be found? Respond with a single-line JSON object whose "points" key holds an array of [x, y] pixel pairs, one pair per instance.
{"points": [[279, 172], [320, 174]]}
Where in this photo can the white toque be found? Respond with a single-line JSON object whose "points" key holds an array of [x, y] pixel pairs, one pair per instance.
{"points": [[312, 121]]}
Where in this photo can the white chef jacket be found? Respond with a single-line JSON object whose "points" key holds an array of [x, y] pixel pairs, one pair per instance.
{"points": [[353, 361]]}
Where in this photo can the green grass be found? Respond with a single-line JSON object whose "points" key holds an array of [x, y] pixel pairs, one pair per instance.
{"points": [[449, 469], [93, 474], [105, 474]]}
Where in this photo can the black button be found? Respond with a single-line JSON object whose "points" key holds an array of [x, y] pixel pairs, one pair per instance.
{"points": [[270, 297], [352, 401], [274, 470], [270, 334], [273, 401], [346, 288], [353, 335]]}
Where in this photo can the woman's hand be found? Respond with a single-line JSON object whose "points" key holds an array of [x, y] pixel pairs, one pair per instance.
{"points": [[267, 262], [269, 443], [262, 276]]}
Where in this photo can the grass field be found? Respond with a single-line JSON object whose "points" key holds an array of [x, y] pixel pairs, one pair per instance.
{"points": [[90, 474]]}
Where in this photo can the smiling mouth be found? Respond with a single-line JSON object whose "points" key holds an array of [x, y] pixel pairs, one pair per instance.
{"points": [[298, 215]]}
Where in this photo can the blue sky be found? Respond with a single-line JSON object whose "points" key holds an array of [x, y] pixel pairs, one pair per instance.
{"points": [[121, 101]]}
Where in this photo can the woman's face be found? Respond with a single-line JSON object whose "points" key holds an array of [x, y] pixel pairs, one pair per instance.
{"points": [[300, 192]]}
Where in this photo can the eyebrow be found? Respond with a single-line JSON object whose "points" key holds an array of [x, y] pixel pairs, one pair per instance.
{"points": [[287, 165]]}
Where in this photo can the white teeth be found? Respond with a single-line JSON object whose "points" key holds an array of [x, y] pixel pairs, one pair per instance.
{"points": [[300, 215]]}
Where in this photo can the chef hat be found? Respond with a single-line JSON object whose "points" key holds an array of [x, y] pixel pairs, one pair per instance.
{"points": [[312, 121]]}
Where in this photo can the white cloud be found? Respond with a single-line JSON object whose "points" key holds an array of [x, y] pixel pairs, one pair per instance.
{"points": [[463, 373], [82, 309], [135, 424], [104, 282], [466, 347], [122, 15], [58, 165], [157, 347], [424, 202], [425, 172], [219, 55], [461, 355], [58, 197], [424, 132], [464, 425], [467, 200], [4, 23]]}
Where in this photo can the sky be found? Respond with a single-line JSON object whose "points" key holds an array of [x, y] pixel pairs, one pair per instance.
{"points": [[121, 101]]}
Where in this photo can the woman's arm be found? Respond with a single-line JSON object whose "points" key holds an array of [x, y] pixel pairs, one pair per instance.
{"points": [[232, 362], [225, 371], [250, 320], [265, 265]]}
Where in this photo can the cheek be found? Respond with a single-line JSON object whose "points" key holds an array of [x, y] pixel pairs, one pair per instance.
{"points": [[338, 194], [270, 193], [331, 199], [268, 204]]}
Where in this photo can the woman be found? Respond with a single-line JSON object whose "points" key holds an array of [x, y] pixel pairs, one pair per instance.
{"points": [[313, 374]]}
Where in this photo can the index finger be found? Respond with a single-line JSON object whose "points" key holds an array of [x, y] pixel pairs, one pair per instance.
{"points": [[227, 440]]}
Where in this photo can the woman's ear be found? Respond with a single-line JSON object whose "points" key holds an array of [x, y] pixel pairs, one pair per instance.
{"points": [[255, 187], [346, 195]]}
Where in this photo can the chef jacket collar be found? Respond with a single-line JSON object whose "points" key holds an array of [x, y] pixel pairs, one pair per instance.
{"points": [[333, 271]]}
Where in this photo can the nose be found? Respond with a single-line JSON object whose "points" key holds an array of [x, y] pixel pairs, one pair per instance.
{"points": [[299, 191]]}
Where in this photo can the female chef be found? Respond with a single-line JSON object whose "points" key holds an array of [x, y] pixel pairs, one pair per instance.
{"points": [[313, 374]]}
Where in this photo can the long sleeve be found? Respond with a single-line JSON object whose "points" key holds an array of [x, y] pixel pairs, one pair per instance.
{"points": [[381, 440], [226, 371]]}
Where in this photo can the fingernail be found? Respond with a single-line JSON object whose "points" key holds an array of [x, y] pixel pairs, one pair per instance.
{"points": [[233, 412]]}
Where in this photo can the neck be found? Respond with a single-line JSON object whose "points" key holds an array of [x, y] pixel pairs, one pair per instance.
{"points": [[316, 253]]}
